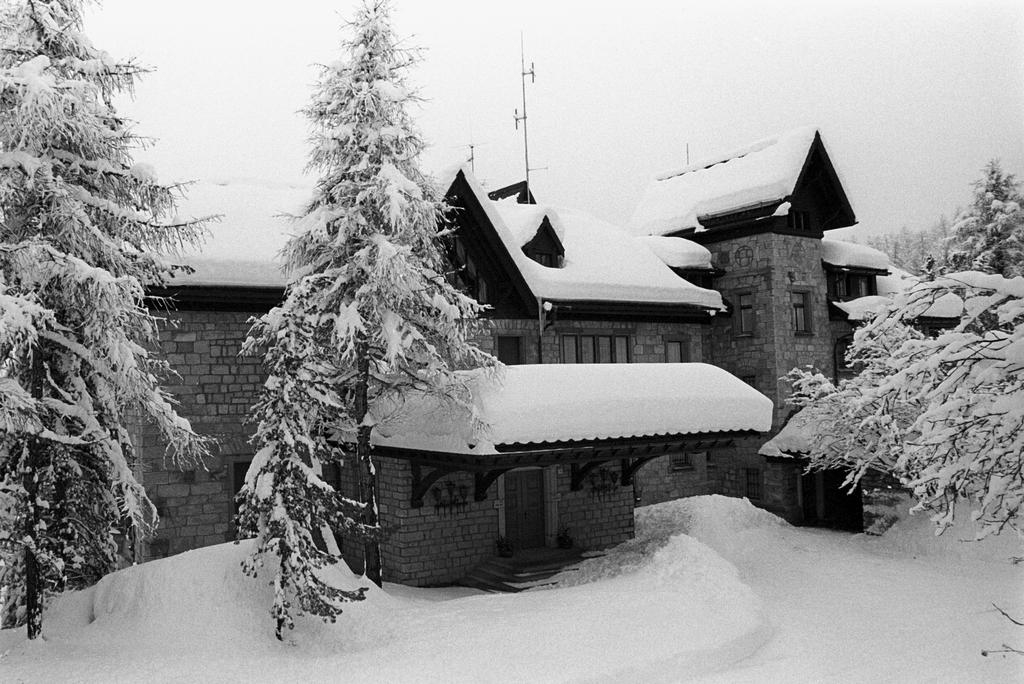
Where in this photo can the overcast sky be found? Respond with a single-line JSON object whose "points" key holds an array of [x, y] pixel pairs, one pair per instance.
{"points": [[912, 98]]}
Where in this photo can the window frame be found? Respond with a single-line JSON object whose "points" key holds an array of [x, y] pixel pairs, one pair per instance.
{"points": [[742, 327], [805, 308], [519, 348], [587, 347], [753, 484]]}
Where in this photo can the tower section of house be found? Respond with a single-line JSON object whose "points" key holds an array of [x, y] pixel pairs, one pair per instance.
{"points": [[762, 212]]}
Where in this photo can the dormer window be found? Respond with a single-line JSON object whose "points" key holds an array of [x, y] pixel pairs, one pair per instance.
{"points": [[545, 259], [799, 220], [545, 248]]}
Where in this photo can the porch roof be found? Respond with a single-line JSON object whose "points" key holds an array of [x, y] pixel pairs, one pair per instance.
{"points": [[558, 406]]}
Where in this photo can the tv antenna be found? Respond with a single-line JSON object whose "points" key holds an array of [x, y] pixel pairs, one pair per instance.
{"points": [[526, 142]]}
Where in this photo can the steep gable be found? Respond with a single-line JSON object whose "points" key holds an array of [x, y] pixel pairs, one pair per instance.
{"points": [[788, 178]]}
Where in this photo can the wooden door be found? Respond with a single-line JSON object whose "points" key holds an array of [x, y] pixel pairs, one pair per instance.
{"points": [[524, 508]]}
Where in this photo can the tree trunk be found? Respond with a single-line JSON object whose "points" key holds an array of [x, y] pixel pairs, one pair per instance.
{"points": [[30, 481], [367, 471]]}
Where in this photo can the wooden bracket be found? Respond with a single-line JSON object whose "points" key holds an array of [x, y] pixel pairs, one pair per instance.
{"points": [[631, 465], [421, 483], [580, 471], [483, 481]]}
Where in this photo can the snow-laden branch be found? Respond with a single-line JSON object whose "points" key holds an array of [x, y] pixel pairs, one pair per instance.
{"points": [[944, 413]]}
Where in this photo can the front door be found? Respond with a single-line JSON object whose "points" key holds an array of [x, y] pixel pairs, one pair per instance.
{"points": [[524, 508]]}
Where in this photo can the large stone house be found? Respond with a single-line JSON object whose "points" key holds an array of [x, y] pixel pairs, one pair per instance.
{"points": [[724, 276]]}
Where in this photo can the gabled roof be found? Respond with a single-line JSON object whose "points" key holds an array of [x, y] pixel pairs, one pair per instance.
{"points": [[759, 176], [603, 263], [555, 403]]}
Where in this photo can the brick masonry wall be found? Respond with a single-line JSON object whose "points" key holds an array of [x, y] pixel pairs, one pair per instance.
{"points": [[656, 481], [433, 545], [216, 389], [596, 519]]}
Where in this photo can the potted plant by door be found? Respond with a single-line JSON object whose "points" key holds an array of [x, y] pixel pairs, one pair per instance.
{"points": [[564, 539]]}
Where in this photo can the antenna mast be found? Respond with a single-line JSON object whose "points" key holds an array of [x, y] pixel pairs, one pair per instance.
{"points": [[526, 142]]}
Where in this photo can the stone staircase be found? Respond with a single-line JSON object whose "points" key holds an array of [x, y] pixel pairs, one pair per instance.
{"points": [[528, 568]]}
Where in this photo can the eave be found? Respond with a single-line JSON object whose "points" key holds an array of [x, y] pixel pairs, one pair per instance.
{"points": [[217, 297], [581, 456], [568, 309]]}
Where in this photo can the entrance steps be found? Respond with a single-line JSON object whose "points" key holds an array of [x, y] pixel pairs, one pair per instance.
{"points": [[527, 569]]}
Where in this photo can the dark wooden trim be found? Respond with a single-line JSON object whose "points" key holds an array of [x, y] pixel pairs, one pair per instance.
{"points": [[692, 440], [421, 483], [483, 481], [758, 226], [580, 471], [461, 190], [853, 270], [630, 311], [218, 297], [631, 466]]}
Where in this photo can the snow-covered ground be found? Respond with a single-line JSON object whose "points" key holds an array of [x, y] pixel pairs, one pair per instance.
{"points": [[711, 590]]}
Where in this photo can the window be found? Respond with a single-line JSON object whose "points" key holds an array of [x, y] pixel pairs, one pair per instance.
{"points": [[752, 476], [595, 348], [801, 313], [843, 368], [677, 351], [569, 349], [746, 309], [680, 461], [545, 259], [466, 277], [799, 220], [686, 460], [845, 286], [238, 472], [510, 349]]}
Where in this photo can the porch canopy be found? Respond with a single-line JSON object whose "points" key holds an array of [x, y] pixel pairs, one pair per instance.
{"points": [[580, 415]]}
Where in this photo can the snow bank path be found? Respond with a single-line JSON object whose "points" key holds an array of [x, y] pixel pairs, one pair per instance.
{"points": [[712, 590]]}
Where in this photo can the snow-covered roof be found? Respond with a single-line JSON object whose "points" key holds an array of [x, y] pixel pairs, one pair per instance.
{"points": [[572, 402], [852, 255], [795, 437], [602, 261], [523, 220], [898, 280], [242, 248], [678, 252], [755, 175], [863, 308]]}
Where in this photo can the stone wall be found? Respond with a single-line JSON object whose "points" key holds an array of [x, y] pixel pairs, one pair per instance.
{"points": [[433, 545], [216, 388], [595, 519], [656, 481]]}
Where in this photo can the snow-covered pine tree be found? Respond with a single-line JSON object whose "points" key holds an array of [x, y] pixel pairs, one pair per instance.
{"points": [[942, 413], [368, 317], [81, 226], [989, 234]]}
